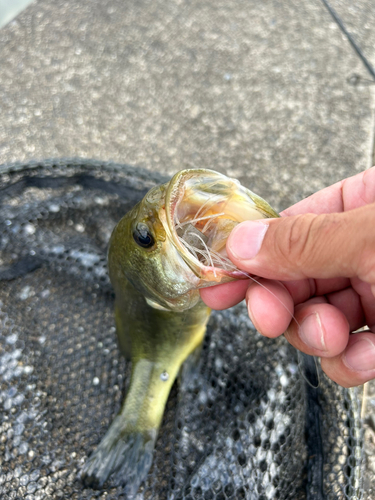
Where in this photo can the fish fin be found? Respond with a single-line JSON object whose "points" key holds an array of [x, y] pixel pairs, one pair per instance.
{"points": [[124, 456], [190, 369]]}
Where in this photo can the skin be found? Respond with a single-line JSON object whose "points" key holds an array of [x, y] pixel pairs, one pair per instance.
{"points": [[319, 261], [157, 339]]}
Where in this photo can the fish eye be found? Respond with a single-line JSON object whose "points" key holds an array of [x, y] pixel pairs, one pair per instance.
{"points": [[142, 236]]}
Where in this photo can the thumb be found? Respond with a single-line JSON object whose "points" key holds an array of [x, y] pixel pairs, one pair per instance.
{"points": [[307, 246]]}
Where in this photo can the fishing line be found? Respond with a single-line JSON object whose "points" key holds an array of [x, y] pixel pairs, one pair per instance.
{"points": [[210, 198], [208, 251]]}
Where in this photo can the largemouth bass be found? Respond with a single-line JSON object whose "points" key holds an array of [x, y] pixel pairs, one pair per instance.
{"points": [[167, 247]]}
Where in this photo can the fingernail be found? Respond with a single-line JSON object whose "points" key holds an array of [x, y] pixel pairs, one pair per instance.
{"points": [[311, 332], [246, 239], [251, 315], [360, 356]]}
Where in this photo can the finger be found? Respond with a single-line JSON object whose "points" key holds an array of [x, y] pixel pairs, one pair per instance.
{"points": [[348, 194], [270, 307], [226, 295], [302, 290], [322, 287], [356, 365], [349, 303], [307, 246], [322, 330], [367, 300], [223, 296]]}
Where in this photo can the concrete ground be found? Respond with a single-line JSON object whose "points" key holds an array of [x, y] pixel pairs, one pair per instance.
{"points": [[269, 92]]}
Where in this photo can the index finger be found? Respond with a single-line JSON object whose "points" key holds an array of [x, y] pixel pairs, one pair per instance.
{"points": [[347, 194]]}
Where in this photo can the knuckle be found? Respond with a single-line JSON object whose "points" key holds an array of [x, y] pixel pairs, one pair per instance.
{"points": [[367, 273], [296, 244]]}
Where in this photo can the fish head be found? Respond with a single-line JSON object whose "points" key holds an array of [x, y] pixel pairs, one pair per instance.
{"points": [[173, 242], [141, 252]]}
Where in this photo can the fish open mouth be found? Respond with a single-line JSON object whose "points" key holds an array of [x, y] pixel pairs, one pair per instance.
{"points": [[202, 207]]}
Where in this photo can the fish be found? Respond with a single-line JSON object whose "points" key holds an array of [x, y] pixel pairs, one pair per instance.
{"points": [[171, 244]]}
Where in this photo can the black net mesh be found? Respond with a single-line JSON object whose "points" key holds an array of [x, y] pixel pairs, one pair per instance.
{"points": [[245, 425]]}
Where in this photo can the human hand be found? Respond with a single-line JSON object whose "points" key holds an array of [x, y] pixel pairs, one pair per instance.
{"points": [[318, 260]]}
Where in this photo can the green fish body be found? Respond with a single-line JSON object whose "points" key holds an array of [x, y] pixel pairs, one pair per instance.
{"points": [[158, 259]]}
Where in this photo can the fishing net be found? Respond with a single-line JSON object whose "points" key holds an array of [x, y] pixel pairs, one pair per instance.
{"points": [[243, 425]]}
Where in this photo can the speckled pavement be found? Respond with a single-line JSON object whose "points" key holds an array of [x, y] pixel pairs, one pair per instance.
{"points": [[269, 92]]}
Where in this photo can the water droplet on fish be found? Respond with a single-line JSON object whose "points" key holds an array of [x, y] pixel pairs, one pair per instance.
{"points": [[164, 376]]}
